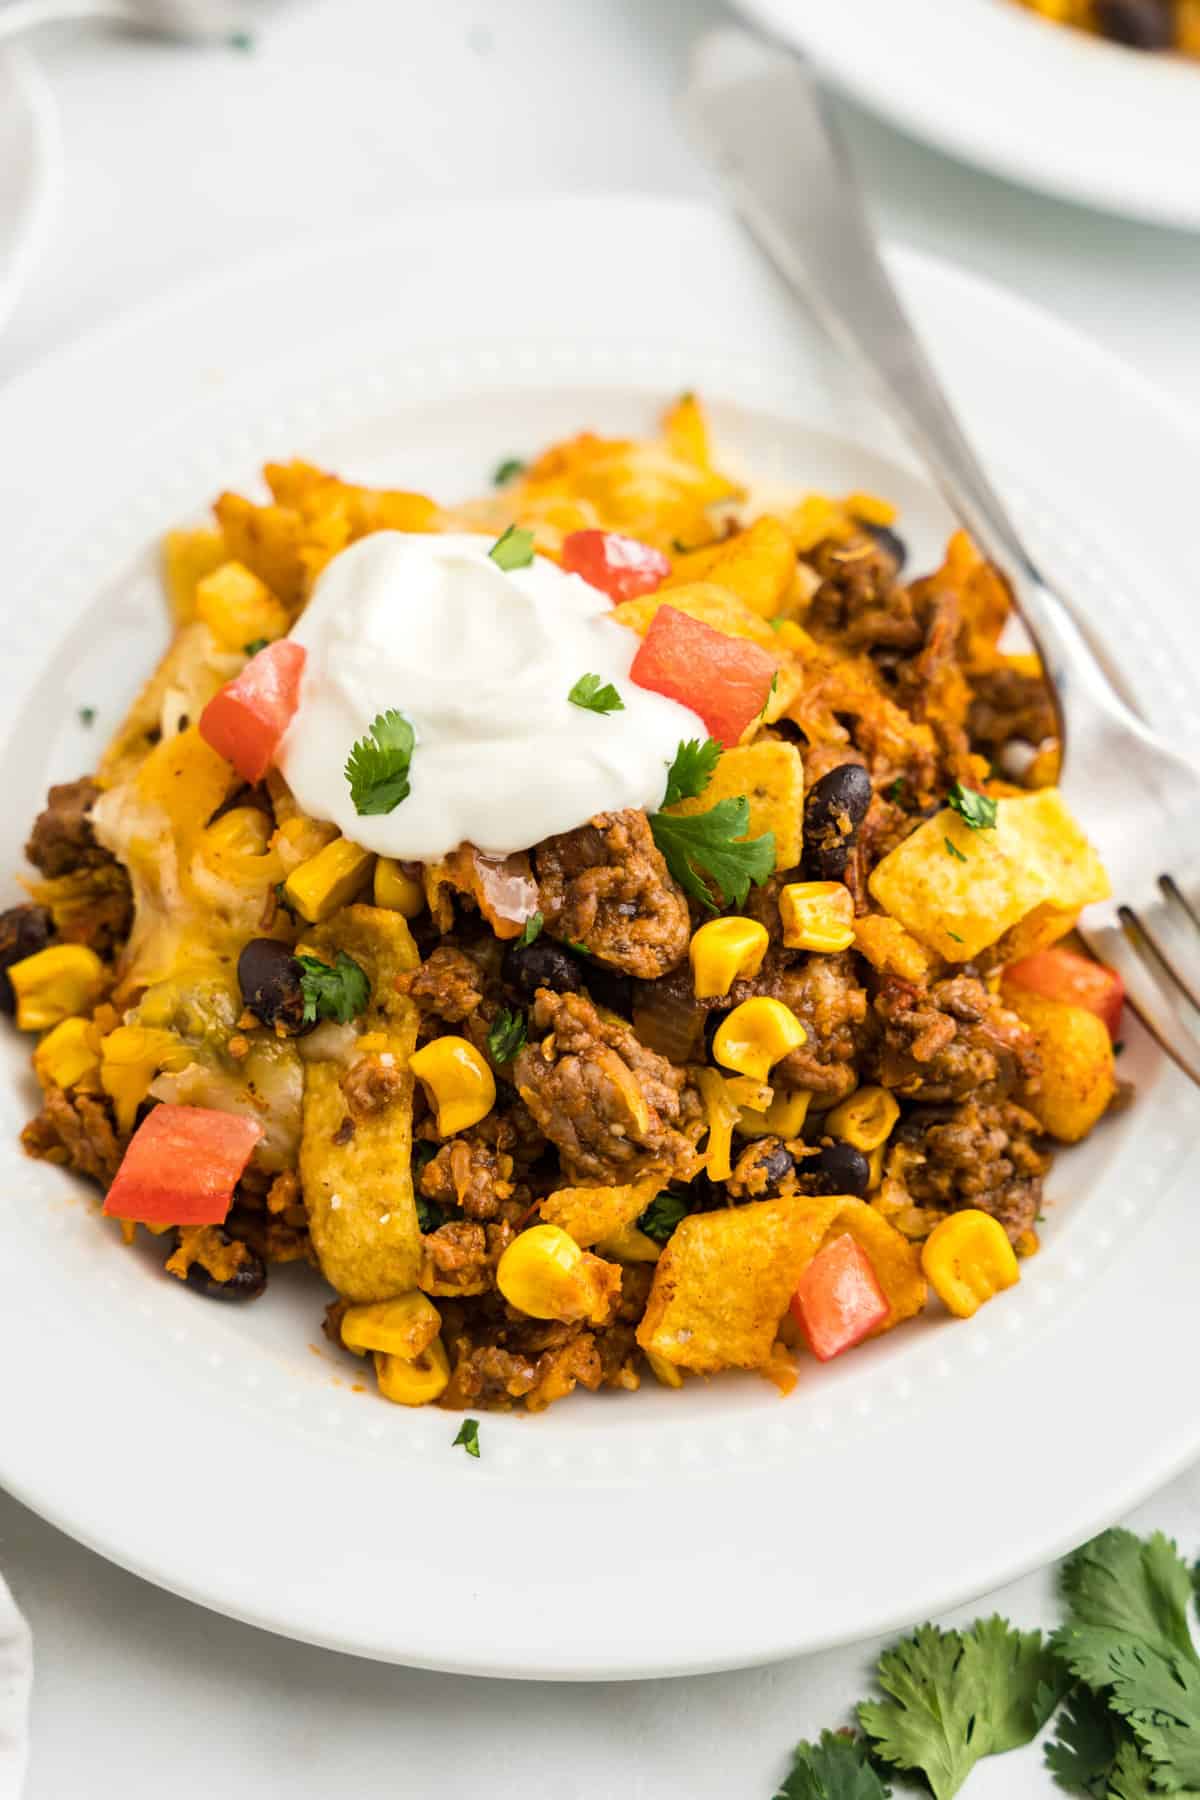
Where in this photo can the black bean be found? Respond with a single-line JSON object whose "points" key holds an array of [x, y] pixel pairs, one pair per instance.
{"points": [[269, 977], [1141, 24], [838, 1169], [542, 964], [609, 988], [247, 1282], [890, 542], [24, 930], [835, 808], [776, 1166]]}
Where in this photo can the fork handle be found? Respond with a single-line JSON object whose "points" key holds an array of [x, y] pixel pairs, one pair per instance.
{"points": [[784, 158]]}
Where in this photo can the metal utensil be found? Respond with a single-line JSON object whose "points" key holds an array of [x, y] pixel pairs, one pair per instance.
{"points": [[759, 111], [191, 21]]}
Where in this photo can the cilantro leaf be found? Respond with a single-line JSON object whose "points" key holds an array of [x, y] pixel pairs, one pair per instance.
{"points": [[1083, 1752], [532, 929], [513, 550], [1132, 1777], [339, 991], [507, 1034], [958, 1696], [770, 691], [711, 849], [507, 471], [377, 767], [429, 1216], [1158, 1694], [975, 809], [1137, 1587], [895, 789], [254, 646], [835, 1769], [596, 696], [692, 769], [468, 1437], [952, 849], [87, 715], [663, 1215]]}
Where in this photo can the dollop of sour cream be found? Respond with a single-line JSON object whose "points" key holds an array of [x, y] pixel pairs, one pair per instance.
{"points": [[480, 662]]}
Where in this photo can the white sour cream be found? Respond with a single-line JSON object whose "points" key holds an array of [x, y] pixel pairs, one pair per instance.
{"points": [[480, 661]]}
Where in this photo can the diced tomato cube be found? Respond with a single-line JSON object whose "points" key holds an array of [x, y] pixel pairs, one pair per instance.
{"points": [[622, 567], [839, 1300], [724, 679], [181, 1167], [1058, 974], [246, 721]]}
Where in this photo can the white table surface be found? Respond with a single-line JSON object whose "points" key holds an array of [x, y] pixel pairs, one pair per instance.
{"points": [[179, 162]]}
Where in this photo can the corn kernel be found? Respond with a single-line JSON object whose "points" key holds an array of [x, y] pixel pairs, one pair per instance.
{"points": [[457, 1081], [628, 1244], [875, 1167], [404, 1327], [415, 1382], [723, 950], [756, 1035], [396, 890], [130, 1058], [865, 1119], [967, 1259], [664, 1371], [784, 1118], [817, 915], [544, 1273], [55, 984], [329, 880], [755, 1096], [68, 1053]]}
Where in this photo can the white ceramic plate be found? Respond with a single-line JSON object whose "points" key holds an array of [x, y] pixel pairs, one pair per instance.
{"points": [[994, 84], [224, 1452], [30, 170]]}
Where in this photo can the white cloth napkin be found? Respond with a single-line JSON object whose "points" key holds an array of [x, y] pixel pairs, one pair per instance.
{"points": [[16, 1680]]}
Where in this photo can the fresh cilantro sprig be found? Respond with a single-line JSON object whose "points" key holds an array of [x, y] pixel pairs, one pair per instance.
{"points": [[507, 471], [377, 767], [513, 550], [975, 809], [836, 1768], [337, 990], [710, 850], [468, 1437], [595, 695], [507, 1035], [692, 770], [662, 1216], [531, 929]]}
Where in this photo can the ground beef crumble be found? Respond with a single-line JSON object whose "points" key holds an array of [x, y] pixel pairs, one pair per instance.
{"points": [[606, 886], [77, 1129], [982, 1155], [951, 1040]]}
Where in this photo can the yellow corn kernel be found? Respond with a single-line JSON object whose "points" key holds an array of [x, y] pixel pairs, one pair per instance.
{"points": [[396, 890], [664, 1371], [68, 1053], [875, 1168], [238, 608], [457, 1081], [784, 1118], [967, 1259], [724, 949], [756, 1035], [55, 984], [329, 880], [415, 1382], [544, 1273], [722, 1114], [130, 1058], [755, 1096], [628, 1244], [404, 1327], [865, 1119], [817, 915]]}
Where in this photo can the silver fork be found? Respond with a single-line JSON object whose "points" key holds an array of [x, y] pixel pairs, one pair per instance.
{"points": [[759, 111], [193, 21]]}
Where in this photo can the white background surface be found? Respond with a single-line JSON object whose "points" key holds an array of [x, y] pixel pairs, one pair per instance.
{"points": [[178, 162]]}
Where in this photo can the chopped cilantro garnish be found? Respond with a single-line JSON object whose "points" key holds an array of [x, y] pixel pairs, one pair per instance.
{"points": [[1119, 1047], [595, 695], [429, 1216], [377, 767], [333, 991], [975, 809], [778, 623], [574, 944], [254, 646], [896, 789], [514, 550], [711, 850], [770, 691], [532, 929], [281, 896], [507, 1034], [952, 849], [692, 769], [662, 1216], [241, 40], [507, 471], [468, 1437], [953, 934], [87, 715]]}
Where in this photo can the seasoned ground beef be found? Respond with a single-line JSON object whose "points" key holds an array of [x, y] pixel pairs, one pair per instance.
{"points": [[471, 1173], [1008, 703], [977, 1155], [951, 1040], [606, 886], [62, 839], [76, 1129], [447, 983], [829, 1000], [461, 1257], [859, 603], [611, 1106], [371, 1085]]}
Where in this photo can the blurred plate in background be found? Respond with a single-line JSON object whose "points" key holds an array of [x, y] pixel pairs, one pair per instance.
{"points": [[30, 171]]}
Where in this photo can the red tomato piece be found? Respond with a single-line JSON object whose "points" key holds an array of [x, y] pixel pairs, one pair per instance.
{"points": [[1058, 974], [181, 1167], [621, 567], [246, 720], [839, 1300], [724, 679]]}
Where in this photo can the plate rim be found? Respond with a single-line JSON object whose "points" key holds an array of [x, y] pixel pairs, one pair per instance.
{"points": [[30, 83], [1183, 1441]]}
